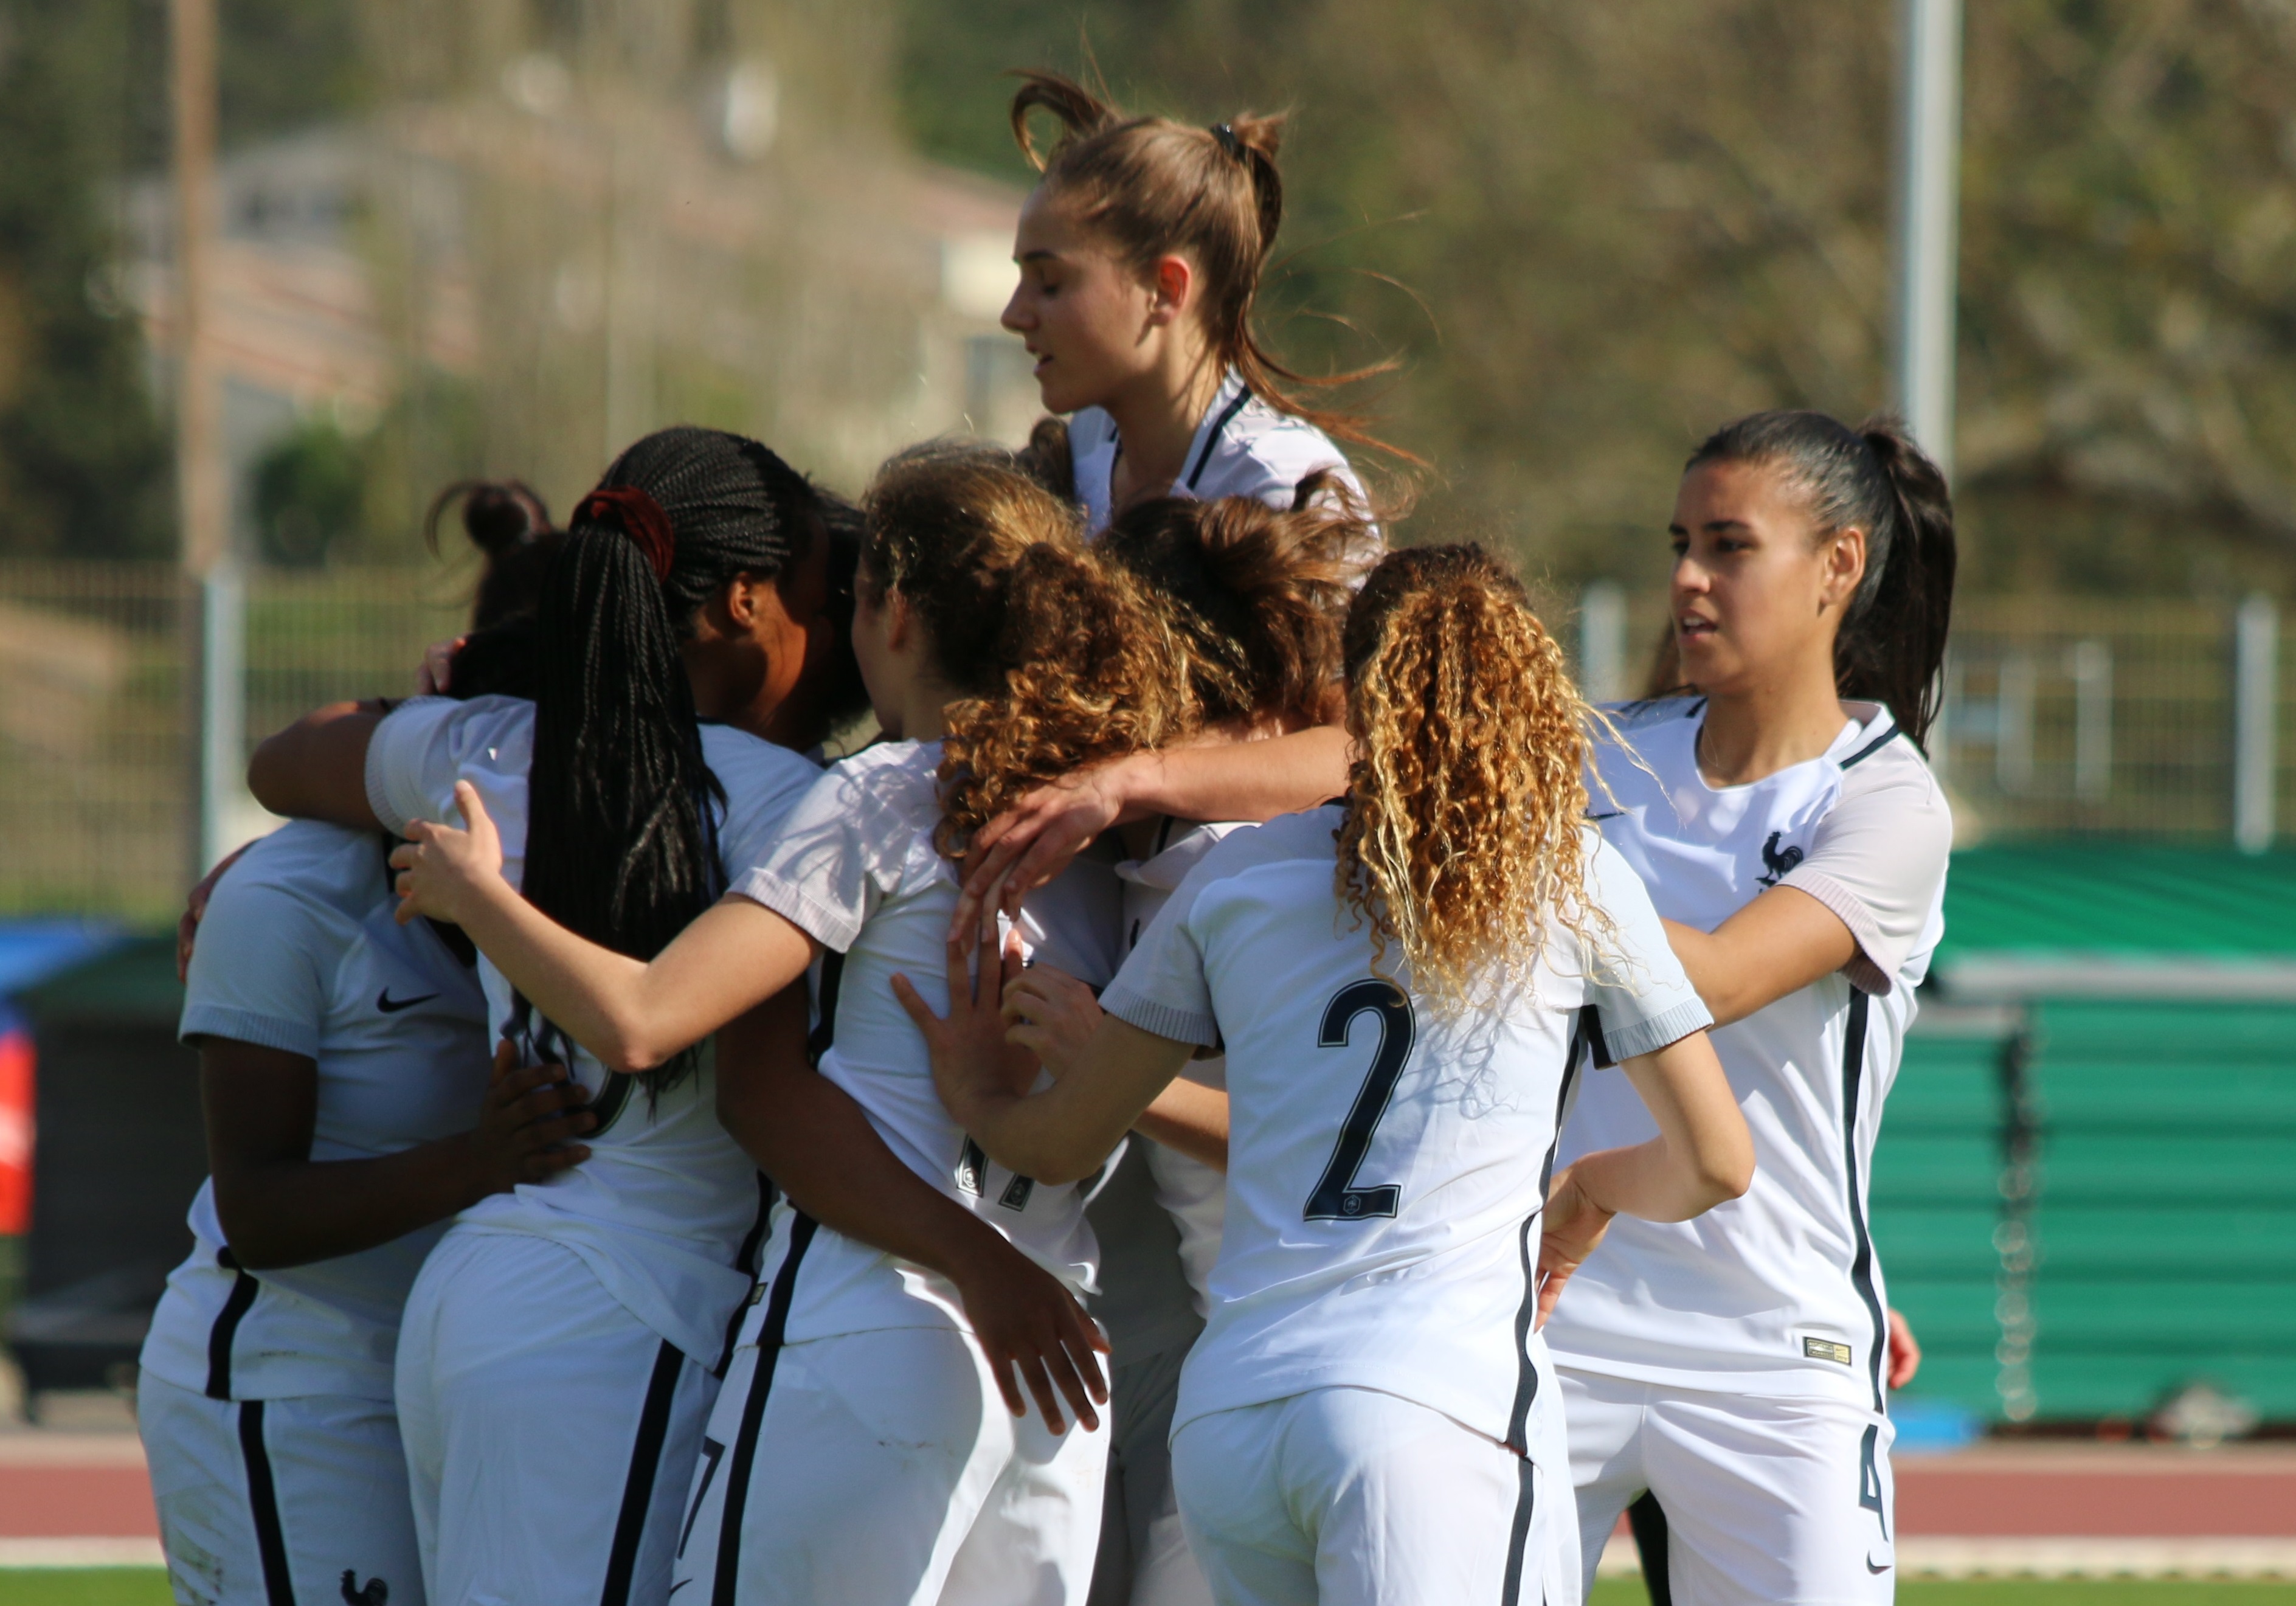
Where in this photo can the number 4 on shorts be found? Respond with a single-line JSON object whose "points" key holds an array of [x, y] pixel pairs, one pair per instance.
{"points": [[1337, 1197]]}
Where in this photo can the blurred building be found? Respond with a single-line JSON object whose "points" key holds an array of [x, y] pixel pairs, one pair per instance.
{"points": [[524, 279]]}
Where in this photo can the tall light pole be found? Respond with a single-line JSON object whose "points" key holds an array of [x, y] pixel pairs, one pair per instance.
{"points": [[213, 590], [1929, 206]]}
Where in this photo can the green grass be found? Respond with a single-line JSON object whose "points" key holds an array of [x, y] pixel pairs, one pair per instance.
{"points": [[148, 1586], [2037, 1592], [84, 1586]]}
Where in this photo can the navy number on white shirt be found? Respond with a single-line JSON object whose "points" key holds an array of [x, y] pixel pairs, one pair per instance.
{"points": [[1337, 1197]]}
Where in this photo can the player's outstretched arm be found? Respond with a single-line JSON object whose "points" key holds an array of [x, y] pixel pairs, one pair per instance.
{"points": [[1780, 943], [1703, 1156], [632, 1013], [1055, 1016], [280, 1207], [1034, 841], [808, 1135], [1061, 1133], [315, 769]]}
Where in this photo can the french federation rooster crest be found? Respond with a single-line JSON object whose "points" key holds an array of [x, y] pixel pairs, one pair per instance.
{"points": [[1779, 863], [376, 1594]]}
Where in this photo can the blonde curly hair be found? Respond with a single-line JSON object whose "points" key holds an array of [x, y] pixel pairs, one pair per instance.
{"points": [[1058, 657], [1462, 830]]}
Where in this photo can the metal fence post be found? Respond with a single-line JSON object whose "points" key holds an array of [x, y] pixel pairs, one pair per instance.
{"points": [[2256, 666], [2090, 664], [1602, 643], [222, 735]]}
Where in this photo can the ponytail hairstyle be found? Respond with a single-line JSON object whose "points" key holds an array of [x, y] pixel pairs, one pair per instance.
{"points": [[1154, 187], [621, 828], [1891, 648], [507, 521], [1256, 597], [1463, 836], [1057, 659]]}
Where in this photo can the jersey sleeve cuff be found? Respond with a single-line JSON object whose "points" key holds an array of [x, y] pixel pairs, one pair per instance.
{"points": [[834, 928], [1866, 968], [1648, 1036], [1163, 1020], [245, 1026], [378, 790]]}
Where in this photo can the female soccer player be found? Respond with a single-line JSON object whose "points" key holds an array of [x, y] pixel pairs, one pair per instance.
{"points": [[1141, 249], [859, 1455], [1796, 844], [564, 1341], [342, 1057], [1256, 598], [1404, 982]]}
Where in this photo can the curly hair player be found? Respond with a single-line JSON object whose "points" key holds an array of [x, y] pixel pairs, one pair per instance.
{"points": [[1404, 982]]}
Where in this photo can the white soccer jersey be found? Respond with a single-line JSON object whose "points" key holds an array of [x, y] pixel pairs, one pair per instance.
{"points": [[668, 1210], [855, 867], [1243, 448], [1779, 1292], [300, 952], [1193, 1193], [1386, 1170]]}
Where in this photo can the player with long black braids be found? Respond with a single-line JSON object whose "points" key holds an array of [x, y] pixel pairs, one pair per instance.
{"points": [[562, 1352], [1737, 1367], [859, 1452]]}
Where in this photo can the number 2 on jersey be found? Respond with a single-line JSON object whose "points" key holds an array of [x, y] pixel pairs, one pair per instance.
{"points": [[1337, 1197]]}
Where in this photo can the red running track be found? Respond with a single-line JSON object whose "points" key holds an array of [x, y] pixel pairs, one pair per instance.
{"points": [[75, 1485]]}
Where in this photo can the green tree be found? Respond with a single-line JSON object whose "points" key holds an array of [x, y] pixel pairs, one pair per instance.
{"points": [[1631, 221], [83, 461]]}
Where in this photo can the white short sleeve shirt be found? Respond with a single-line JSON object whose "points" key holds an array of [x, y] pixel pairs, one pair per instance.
{"points": [[1388, 1162], [1779, 1292], [663, 1207], [1243, 448], [300, 951], [856, 868]]}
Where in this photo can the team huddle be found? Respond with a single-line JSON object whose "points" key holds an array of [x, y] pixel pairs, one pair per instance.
{"points": [[1247, 1089]]}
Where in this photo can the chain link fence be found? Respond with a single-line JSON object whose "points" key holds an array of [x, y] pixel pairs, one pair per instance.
{"points": [[2063, 716], [96, 786]]}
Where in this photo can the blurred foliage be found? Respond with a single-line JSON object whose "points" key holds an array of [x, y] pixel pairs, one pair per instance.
{"points": [[310, 489], [85, 467], [83, 462], [1628, 223]]}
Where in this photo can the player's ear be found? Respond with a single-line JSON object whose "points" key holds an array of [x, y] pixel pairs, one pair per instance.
{"points": [[1172, 289]]}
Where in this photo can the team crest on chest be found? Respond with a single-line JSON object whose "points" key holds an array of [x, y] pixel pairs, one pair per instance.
{"points": [[1778, 862]]}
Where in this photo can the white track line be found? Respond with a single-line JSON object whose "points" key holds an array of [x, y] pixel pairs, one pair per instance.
{"points": [[1931, 1557], [81, 1553]]}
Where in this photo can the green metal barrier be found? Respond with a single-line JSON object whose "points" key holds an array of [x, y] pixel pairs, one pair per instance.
{"points": [[2087, 1205]]}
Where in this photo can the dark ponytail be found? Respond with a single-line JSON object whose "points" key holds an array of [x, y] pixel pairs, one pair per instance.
{"points": [[507, 521], [1891, 645], [621, 827]]}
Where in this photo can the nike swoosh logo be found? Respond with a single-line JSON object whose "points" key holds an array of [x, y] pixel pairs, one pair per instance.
{"points": [[1871, 1568], [681, 1583], [390, 1006]]}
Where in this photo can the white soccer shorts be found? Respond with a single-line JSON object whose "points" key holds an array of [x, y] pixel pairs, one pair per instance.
{"points": [[549, 1432], [882, 1469], [1766, 1500], [285, 1499], [1350, 1497]]}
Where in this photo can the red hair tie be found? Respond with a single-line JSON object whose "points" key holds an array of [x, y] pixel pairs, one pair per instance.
{"points": [[638, 516]]}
